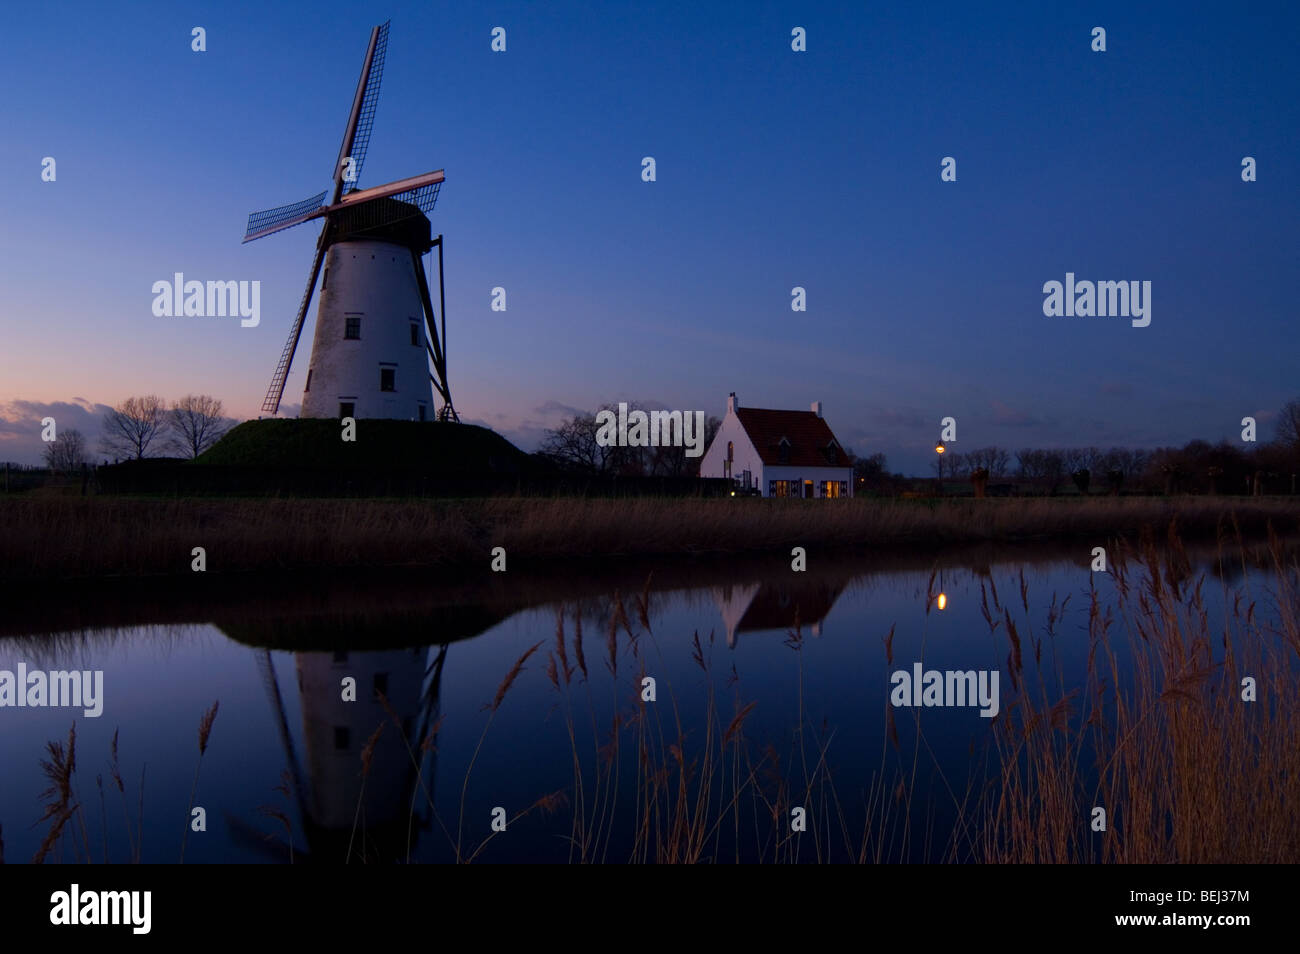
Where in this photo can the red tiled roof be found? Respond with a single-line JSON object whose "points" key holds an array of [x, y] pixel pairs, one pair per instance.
{"points": [[809, 436]]}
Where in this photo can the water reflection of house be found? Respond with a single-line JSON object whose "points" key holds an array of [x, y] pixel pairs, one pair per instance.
{"points": [[751, 607]]}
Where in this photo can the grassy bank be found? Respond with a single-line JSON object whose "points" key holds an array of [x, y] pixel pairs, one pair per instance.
{"points": [[69, 538]]}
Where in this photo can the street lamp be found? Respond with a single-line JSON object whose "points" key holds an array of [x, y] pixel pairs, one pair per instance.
{"points": [[939, 449]]}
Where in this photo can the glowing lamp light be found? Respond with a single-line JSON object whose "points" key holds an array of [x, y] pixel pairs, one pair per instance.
{"points": [[938, 447]]}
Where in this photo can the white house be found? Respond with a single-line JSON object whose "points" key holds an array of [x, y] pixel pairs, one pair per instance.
{"points": [[782, 453]]}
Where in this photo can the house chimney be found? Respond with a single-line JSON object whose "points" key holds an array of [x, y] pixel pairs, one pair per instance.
{"points": [[732, 403], [817, 408]]}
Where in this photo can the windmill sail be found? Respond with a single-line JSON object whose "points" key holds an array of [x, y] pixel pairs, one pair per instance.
{"points": [[356, 137], [286, 216], [271, 404]]}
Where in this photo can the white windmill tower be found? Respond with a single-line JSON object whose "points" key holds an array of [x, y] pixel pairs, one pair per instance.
{"points": [[376, 332]]}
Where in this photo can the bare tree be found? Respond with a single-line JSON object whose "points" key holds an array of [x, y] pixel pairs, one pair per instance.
{"points": [[67, 452], [133, 426], [1081, 458], [1043, 468], [196, 422], [1053, 471], [1029, 464], [573, 444], [992, 459], [671, 461], [957, 466], [1288, 425]]}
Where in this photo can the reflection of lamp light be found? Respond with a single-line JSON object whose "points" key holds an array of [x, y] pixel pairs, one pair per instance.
{"points": [[943, 601]]}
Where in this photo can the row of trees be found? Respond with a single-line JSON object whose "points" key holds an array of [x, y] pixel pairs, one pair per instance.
{"points": [[573, 446], [1048, 469], [145, 426], [1196, 467]]}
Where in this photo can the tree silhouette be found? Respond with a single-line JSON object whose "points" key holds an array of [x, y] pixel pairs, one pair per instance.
{"points": [[133, 426], [196, 422]]}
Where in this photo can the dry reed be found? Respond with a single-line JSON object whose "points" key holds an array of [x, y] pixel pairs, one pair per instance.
{"points": [[205, 730], [127, 537]]}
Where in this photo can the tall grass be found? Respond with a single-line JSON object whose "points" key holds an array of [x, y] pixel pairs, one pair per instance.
{"points": [[138, 537], [1156, 732], [1160, 736]]}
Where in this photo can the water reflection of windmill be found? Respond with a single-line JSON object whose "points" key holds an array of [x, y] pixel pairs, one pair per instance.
{"points": [[344, 815], [752, 607]]}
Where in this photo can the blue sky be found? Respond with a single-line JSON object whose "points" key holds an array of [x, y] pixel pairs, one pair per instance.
{"points": [[775, 169]]}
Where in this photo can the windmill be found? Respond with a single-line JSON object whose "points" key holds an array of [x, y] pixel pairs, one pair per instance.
{"points": [[376, 331]]}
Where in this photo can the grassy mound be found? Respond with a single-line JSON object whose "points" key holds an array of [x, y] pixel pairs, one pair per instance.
{"points": [[425, 446]]}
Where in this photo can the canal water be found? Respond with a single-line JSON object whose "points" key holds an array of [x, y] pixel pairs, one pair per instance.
{"points": [[769, 707]]}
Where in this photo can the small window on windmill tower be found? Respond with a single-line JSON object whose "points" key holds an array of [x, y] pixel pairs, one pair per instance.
{"points": [[423, 412], [352, 327], [415, 334], [387, 379], [347, 409]]}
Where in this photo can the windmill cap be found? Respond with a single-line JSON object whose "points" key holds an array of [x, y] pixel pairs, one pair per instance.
{"points": [[386, 219]]}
